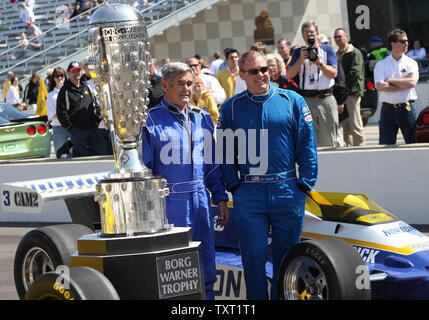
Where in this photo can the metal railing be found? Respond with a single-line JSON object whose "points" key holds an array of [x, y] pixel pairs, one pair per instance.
{"points": [[80, 25], [154, 14], [78, 39]]}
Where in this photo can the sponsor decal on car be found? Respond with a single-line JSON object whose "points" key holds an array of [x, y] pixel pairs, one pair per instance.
{"points": [[18, 199]]}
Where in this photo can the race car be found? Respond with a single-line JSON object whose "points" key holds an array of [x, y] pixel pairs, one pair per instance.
{"points": [[390, 258], [395, 254]]}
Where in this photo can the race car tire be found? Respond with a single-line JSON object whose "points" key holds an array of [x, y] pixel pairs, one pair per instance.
{"points": [[323, 269], [44, 249], [80, 283]]}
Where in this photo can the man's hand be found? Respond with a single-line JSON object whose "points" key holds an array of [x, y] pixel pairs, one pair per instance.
{"points": [[409, 82], [223, 213], [340, 108], [303, 54]]}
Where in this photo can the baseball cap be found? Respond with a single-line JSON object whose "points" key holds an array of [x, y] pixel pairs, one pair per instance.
{"points": [[374, 39], [73, 66]]}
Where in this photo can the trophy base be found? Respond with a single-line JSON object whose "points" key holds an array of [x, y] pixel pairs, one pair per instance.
{"points": [[132, 205], [157, 266]]}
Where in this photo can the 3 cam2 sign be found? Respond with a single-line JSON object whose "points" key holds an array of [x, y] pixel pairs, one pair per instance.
{"points": [[20, 200]]}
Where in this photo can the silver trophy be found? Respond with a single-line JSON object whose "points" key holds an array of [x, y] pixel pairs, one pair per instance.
{"points": [[131, 199]]}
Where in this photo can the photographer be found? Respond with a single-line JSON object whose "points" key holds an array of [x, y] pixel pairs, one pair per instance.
{"points": [[316, 66]]}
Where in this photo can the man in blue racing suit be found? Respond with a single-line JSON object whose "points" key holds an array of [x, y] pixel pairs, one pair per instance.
{"points": [[178, 144], [277, 125]]}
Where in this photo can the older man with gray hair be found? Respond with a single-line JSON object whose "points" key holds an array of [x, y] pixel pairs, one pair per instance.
{"points": [[175, 140]]}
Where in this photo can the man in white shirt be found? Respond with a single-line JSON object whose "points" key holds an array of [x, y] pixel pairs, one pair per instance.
{"points": [[26, 14], [317, 70], [395, 79], [30, 4], [215, 64], [210, 82]]}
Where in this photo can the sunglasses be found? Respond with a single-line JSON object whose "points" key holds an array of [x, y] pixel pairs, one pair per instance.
{"points": [[194, 65], [403, 41], [338, 37], [59, 76], [254, 72]]}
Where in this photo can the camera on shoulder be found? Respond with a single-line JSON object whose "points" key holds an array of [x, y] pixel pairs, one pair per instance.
{"points": [[312, 49]]}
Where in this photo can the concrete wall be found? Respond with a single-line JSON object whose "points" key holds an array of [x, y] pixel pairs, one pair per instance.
{"points": [[396, 178]]}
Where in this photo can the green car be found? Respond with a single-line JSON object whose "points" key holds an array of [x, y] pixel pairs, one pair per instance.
{"points": [[23, 137]]}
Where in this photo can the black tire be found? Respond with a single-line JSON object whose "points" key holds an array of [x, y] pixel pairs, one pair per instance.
{"points": [[81, 283], [44, 249], [325, 269]]}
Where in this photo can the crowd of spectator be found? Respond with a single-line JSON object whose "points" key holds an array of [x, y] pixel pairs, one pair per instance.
{"points": [[289, 67]]}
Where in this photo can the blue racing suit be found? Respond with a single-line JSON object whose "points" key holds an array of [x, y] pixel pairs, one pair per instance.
{"points": [[181, 148], [278, 126]]}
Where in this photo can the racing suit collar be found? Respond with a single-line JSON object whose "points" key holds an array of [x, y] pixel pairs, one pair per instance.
{"points": [[261, 97], [174, 109]]}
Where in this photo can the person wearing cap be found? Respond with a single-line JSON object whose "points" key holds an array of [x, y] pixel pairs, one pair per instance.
{"points": [[376, 52], [30, 28], [6, 84], [79, 113]]}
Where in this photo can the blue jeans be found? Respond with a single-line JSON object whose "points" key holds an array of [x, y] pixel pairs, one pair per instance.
{"points": [[88, 142], [392, 119], [60, 136], [257, 208]]}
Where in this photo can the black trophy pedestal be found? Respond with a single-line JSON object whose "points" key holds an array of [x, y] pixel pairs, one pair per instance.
{"points": [[163, 265]]}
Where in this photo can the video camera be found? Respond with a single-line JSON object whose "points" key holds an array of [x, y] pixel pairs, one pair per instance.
{"points": [[312, 49]]}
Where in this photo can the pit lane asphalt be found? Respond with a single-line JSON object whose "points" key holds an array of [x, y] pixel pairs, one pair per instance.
{"points": [[10, 235]]}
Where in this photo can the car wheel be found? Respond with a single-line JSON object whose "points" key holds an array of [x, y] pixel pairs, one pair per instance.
{"points": [[324, 269], [81, 283], [44, 249]]}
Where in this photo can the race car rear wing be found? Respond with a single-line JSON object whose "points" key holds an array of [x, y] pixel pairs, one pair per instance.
{"points": [[29, 196]]}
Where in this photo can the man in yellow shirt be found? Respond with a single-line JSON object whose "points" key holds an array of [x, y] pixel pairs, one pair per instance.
{"points": [[6, 84], [228, 77]]}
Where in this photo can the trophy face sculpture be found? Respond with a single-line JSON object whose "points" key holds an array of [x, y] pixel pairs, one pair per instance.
{"points": [[131, 199]]}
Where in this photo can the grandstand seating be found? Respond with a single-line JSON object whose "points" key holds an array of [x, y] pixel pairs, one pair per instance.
{"points": [[62, 41]]}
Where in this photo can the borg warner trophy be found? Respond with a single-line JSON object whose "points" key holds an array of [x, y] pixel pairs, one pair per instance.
{"points": [[131, 199], [137, 250]]}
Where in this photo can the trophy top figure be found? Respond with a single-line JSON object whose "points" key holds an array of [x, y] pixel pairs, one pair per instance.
{"points": [[115, 12]]}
